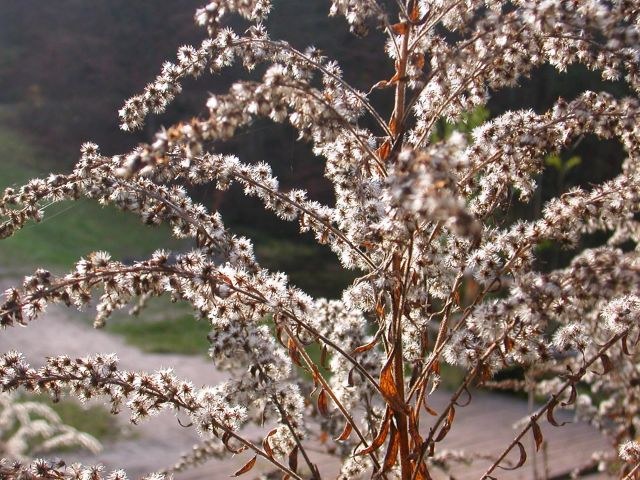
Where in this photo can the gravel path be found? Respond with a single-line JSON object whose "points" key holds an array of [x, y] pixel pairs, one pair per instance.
{"points": [[158, 442]]}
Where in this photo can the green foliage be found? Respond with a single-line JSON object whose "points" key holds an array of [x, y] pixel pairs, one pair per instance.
{"points": [[465, 124], [562, 166], [177, 333]]}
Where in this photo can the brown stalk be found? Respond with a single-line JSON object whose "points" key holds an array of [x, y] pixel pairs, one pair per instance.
{"points": [[315, 474], [315, 372], [397, 127], [633, 474], [456, 395]]}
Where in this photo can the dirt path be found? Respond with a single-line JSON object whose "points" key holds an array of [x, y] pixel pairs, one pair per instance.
{"points": [[484, 426], [155, 443]]}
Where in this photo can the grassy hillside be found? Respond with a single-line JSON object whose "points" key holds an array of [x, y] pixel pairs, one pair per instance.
{"points": [[69, 229]]}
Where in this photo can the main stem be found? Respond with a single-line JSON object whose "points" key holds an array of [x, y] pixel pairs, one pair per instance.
{"points": [[398, 361], [401, 417], [401, 85]]}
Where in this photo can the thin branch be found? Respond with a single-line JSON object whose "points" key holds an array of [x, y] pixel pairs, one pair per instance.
{"points": [[317, 375], [554, 399]]}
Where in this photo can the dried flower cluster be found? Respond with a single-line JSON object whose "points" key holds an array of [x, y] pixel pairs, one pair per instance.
{"points": [[414, 215], [29, 428]]}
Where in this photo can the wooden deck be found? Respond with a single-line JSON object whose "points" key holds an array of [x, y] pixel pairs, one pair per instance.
{"points": [[485, 426]]}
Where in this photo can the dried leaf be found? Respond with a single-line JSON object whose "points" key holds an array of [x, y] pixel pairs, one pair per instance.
{"points": [[380, 307], [385, 149], [293, 352], [381, 437], [435, 367], [400, 28], [469, 398], [550, 418], [350, 380], [521, 460], [414, 429], [324, 238], [279, 331], [607, 364], [414, 15], [392, 450], [381, 84], [625, 346], [324, 356], [226, 437], [508, 344], [427, 408], [396, 264], [438, 184], [484, 374], [417, 60], [370, 345], [537, 434], [247, 466], [265, 443], [572, 397], [293, 459], [451, 415], [393, 126], [388, 386], [323, 403], [447, 424], [226, 279], [346, 432]]}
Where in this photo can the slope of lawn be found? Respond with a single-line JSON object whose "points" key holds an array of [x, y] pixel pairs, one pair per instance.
{"points": [[69, 230], [163, 327]]}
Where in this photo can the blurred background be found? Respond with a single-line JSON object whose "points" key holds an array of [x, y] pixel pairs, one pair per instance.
{"points": [[66, 67]]}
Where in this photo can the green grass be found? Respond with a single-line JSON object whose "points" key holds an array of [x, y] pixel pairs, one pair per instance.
{"points": [[163, 327], [69, 230], [94, 420], [183, 335], [18, 159]]}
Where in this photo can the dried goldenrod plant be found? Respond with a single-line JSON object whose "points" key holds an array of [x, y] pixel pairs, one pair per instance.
{"points": [[439, 281], [29, 428]]}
